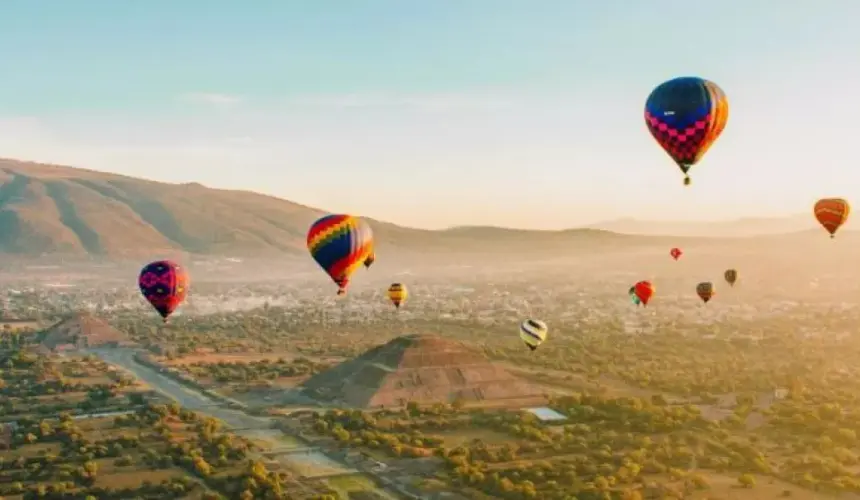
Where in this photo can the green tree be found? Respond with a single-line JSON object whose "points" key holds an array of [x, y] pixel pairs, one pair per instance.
{"points": [[746, 480]]}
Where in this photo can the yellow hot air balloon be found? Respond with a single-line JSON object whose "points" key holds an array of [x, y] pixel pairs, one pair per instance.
{"points": [[533, 333], [398, 294]]}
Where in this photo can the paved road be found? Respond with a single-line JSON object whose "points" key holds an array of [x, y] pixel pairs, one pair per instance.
{"points": [[184, 395], [235, 419]]}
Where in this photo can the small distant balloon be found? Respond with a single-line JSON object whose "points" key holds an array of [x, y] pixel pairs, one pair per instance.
{"points": [[676, 253], [644, 290], [832, 213], [633, 298], [705, 291], [731, 276], [164, 284], [533, 333], [686, 115], [369, 260], [397, 294]]}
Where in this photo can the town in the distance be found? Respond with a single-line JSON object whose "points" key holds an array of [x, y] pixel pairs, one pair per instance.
{"points": [[265, 383]]}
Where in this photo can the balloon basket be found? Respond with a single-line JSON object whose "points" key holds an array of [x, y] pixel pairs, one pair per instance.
{"points": [[687, 181]]}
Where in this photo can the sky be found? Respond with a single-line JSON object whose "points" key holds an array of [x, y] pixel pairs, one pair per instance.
{"points": [[518, 113]]}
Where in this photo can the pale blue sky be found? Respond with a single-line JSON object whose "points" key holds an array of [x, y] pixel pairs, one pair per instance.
{"points": [[433, 113]]}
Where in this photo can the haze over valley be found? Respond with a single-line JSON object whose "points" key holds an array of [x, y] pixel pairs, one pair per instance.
{"points": [[264, 351], [477, 250]]}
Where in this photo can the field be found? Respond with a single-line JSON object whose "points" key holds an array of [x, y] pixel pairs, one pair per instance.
{"points": [[257, 380], [519, 451], [345, 485], [36, 386], [104, 455], [14, 326], [727, 487], [459, 437], [311, 464], [215, 358]]}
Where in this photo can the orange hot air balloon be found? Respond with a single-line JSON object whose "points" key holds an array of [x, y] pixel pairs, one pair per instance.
{"points": [[832, 213], [705, 291], [644, 290], [676, 253]]}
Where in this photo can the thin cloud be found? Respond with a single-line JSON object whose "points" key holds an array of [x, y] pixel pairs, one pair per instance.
{"points": [[211, 98], [434, 102]]}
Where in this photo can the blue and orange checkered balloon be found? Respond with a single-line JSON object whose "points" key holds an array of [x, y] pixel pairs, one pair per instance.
{"points": [[686, 115]]}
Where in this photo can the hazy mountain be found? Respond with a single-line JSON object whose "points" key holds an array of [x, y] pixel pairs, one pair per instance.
{"points": [[56, 210], [751, 226]]}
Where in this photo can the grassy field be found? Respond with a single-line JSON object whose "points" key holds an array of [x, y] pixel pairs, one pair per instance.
{"points": [[351, 484], [465, 436], [127, 469], [271, 439], [727, 487], [311, 464], [13, 326], [227, 358], [66, 384]]}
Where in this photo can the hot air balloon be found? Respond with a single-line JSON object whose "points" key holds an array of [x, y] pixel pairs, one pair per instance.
{"points": [[644, 290], [369, 260], [686, 115], [367, 233], [832, 213], [705, 291], [339, 244], [164, 284], [731, 276], [633, 297], [398, 294], [676, 253], [533, 333]]}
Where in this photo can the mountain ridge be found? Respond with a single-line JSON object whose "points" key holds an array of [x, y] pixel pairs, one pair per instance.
{"points": [[732, 228], [61, 210]]}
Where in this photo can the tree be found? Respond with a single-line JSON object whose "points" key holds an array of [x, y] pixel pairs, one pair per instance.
{"points": [[746, 480], [413, 408]]}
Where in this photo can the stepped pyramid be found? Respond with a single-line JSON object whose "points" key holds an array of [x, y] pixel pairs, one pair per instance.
{"points": [[83, 330], [422, 369]]}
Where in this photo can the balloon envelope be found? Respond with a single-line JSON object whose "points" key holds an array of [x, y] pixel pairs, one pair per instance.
{"points": [[831, 213], [164, 284], [633, 297], [685, 116], [397, 294], [731, 276], [340, 244], [644, 290], [705, 291], [533, 333]]}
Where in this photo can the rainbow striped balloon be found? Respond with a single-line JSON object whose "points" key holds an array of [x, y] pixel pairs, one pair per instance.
{"points": [[340, 244]]}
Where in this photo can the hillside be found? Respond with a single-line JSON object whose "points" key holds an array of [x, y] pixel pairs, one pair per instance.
{"points": [[65, 211], [57, 210], [738, 228], [423, 369]]}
